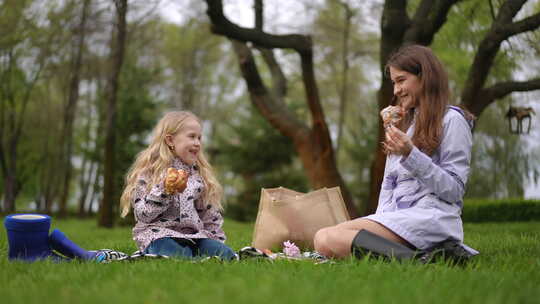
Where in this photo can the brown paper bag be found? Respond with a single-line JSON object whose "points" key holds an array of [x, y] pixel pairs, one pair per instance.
{"points": [[285, 214]]}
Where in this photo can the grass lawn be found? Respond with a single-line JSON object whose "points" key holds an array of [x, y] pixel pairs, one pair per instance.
{"points": [[507, 271]]}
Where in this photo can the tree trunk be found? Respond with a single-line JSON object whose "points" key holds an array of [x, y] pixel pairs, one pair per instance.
{"points": [[109, 193], [96, 191], [10, 193], [66, 140], [344, 90]]}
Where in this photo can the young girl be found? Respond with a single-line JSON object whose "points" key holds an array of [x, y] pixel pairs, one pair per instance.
{"points": [[184, 222], [426, 167]]}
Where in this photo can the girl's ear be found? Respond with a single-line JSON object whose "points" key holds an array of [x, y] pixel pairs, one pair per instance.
{"points": [[168, 140]]}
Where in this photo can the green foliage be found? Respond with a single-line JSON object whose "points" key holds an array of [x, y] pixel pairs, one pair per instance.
{"points": [[193, 62], [137, 115], [258, 156], [39, 151], [500, 162], [503, 210]]}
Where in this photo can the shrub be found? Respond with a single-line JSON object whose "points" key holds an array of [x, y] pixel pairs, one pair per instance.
{"points": [[503, 210]]}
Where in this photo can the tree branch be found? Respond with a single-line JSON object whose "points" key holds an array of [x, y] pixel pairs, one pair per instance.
{"points": [[259, 18], [501, 29], [222, 26], [525, 25], [279, 87], [428, 19], [275, 111], [509, 10], [500, 90]]}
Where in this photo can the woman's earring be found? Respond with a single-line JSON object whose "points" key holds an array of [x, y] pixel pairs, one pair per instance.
{"points": [[171, 148]]}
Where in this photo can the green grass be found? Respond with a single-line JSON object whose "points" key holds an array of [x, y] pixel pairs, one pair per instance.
{"points": [[507, 271]]}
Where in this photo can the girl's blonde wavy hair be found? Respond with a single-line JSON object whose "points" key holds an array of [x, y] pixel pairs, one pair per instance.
{"points": [[153, 161]]}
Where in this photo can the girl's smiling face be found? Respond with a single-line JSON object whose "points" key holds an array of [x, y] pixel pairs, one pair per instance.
{"points": [[186, 144], [406, 87]]}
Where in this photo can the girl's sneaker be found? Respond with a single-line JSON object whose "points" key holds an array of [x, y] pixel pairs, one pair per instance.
{"points": [[109, 255]]}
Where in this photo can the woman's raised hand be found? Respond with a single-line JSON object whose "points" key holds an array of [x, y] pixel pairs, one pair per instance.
{"points": [[397, 142]]}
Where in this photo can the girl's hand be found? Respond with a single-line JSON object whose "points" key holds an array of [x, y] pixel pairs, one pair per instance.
{"points": [[175, 181], [397, 142]]}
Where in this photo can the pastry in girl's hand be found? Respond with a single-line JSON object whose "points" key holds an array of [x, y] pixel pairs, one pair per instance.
{"points": [[391, 116], [175, 181]]}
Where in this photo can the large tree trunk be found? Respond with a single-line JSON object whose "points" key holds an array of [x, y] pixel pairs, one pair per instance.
{"points": [[109, 195], [66, 140], [313, 144]]}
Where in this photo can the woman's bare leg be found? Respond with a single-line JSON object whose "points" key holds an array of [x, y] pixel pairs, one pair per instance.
{"points": [[336, 241]]}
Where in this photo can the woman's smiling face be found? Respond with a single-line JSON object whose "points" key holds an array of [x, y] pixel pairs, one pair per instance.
{"points": [[407, 87]]}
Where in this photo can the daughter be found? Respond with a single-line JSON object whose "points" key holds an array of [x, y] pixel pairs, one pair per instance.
{"points": [[184, 222]]}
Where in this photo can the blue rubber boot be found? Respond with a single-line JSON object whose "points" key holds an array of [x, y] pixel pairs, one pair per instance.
{"points": [[28, 236], [65, 246]]}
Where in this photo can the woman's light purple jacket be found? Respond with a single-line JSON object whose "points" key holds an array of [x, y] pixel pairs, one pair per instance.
{"points": [[422, 196]]}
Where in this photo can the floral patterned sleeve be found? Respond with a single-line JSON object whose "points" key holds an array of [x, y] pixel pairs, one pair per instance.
{"points": [[148, 205], [213, 222]]}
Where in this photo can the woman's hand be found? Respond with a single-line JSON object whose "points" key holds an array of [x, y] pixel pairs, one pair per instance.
{"points": [[397, 142]]}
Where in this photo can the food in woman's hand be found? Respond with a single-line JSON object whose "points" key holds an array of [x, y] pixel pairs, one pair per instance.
{"points": [[391, 116], [175, 181]]}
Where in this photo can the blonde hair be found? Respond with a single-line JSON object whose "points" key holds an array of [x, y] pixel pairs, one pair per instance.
{"points": [[154, 160]]}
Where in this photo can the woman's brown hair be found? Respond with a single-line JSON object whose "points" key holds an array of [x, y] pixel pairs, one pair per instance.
{"points": [[434, 93]]}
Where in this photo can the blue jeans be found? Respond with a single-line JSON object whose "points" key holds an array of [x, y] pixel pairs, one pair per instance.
{"points": [[182, 248]]}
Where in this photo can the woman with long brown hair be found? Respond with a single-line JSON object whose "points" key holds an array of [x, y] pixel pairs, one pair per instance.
{"points": [[427, 165]]}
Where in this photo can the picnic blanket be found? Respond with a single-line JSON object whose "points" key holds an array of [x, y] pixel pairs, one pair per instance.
{"points": [[246, 253]]}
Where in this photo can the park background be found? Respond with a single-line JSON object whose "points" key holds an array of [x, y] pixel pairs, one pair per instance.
{"points": [[82, 82]]}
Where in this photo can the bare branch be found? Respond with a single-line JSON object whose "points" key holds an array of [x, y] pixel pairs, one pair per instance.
{"points": [[273, 110], [259, 17], [501, 90], [279, 87], [528, 24], [222, 26], [509, 10], [491, 9]]}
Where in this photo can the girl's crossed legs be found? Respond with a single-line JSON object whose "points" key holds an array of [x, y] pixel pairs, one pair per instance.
{"points": [[336, 241], [182, 248]]}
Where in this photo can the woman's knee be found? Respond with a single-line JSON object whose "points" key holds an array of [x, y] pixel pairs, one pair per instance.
{"points": [[320, 241]]}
